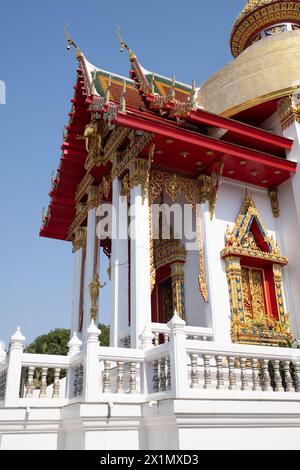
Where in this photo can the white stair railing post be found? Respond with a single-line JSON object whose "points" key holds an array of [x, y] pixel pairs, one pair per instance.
{"points": [[14, 368], [146, 339], [92, 374], [74, 346], [178, 356]]}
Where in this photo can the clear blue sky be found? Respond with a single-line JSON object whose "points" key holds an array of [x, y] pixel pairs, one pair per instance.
{"points": [[188, 39]]}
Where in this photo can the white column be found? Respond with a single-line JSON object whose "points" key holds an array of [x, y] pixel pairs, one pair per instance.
{"points": [[14, 368], [89, 260], [218, 306], [119, 266], [140, 292], [92, 374], [178, 356], [79, 243]]}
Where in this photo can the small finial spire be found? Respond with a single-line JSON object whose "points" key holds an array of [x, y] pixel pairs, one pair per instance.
{"points": [[192, 99], [172, 88], [152, 83], [44, 216], [71, 42], [107, 94], [52, 178], [123, 98], [94, 76], [124, 45]]}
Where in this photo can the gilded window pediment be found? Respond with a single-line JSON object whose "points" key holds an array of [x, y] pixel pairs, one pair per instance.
{"points": [[250, 238]]}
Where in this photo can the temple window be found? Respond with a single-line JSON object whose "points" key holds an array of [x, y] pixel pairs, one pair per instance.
{"points": [[254, 273]]}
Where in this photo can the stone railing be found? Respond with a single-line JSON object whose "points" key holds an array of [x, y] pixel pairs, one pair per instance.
{"points": [[184, 366], [243, 368], [161, 333]]}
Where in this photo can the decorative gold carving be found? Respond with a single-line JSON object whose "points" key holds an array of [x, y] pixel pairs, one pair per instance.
{"points": [[95, 287], [202, 276], [79, 240], [168, 251], [239, 241], [251, 322], [86, 181], [135, 147], [289, 110], [177, 274], [273, 195], [173, 185], [195, 191], [209, 188], [152, 256], [80, 206], [92, 197]]}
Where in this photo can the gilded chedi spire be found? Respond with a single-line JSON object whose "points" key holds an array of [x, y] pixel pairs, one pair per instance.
{"points": [[260, 14]]}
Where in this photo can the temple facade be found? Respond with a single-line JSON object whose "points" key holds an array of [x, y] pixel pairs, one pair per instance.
{"points": [[181, 204]]}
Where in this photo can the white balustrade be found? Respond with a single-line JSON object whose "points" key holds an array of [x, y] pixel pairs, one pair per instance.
{"points": [[240, 369], [161, 333], [177, 365]]}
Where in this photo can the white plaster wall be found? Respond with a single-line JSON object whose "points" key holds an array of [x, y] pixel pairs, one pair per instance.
{"points": [[239, 438], [289, 241], [29, 441]]}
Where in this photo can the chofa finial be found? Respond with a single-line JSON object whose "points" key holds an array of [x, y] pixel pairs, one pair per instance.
{"points": [[71, 42], [124, 45]]}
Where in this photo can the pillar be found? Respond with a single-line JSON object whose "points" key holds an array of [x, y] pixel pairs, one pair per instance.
{"points": [[119, 267], [90, 261], [14, 369], [140, 290], [78, 250]]}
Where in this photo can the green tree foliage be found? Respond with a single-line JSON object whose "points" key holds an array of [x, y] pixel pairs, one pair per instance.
{"points": [[56, 341]]}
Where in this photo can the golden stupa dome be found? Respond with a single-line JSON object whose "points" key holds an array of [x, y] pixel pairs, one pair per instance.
{"points": [[258, 15]]}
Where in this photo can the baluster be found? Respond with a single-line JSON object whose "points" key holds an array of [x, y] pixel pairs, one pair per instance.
{"points": [[297, 375], [120, 377], [277, 377], [194, 371], [266, 377], [132, 380], [166, 337], [168, 381], [244, 375], [207, 372], [106, 377], [43, 389], [156, 338], [163, 378], [155, 380], [56, 384], [80, 385], [232, 374], [220, 373], [289, 386], [76, 381], [29, 384], [255, 376]]}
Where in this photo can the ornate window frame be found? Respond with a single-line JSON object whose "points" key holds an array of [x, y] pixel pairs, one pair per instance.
{"points": [[241, 248]]}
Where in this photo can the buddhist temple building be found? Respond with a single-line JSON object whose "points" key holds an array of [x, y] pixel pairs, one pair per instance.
{"points": [[193, 195]]}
